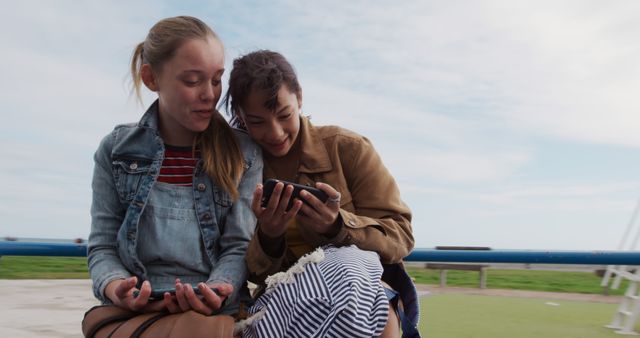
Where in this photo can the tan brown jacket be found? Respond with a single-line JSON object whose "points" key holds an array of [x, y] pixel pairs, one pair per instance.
{"points": [[373, 215]]}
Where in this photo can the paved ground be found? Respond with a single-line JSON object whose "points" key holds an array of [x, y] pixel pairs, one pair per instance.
{"points": [[44, 308], [54, 308]]}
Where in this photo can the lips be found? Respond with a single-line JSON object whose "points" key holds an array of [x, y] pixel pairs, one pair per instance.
{"points": [[277, 147], [277, 144], [204, 113]]}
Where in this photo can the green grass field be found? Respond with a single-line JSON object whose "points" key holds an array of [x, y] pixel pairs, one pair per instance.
{"points": [[19, 267], [23, 267], [469, 316], [534, 280]]}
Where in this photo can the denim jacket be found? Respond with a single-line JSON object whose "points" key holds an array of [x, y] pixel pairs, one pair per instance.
{"points": [[127, 164]]}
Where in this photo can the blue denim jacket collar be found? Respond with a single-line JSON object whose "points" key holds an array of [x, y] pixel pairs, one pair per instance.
{"points": [[150, 118], [143, 143]]}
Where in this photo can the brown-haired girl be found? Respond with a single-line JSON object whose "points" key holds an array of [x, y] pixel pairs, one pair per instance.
{"points": [[363, 229]]}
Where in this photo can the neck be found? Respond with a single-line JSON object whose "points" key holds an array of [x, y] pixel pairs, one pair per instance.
{"points": [[174, 133]]}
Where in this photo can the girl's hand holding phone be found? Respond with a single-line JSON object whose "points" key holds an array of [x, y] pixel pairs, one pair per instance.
{"points": [[207, 300], [277, 202], [121, 293], [321, 216], [273, 214]]}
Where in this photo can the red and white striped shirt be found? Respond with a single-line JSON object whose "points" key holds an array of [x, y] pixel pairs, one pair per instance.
{"points": [[178, 165]]}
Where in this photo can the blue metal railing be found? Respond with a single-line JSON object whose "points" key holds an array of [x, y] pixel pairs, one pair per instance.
{"points": [[418, 255], [42, 249]]}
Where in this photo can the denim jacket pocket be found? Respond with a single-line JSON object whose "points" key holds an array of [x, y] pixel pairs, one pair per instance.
{"points": [[127, 173]]}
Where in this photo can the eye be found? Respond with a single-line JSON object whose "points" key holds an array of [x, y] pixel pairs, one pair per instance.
{"points": [[190, 82], [216, 82], [284, 116]]}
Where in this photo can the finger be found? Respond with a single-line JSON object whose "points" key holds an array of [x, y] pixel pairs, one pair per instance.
{"points": [[210, 297], [329, 190], [181, 297], [170, 303], [297, 204], [224, 289], [312, 209], [274, 200], [284, 201], [257, 200], [195, 302], [122, 290], [312, 200], [143, 297]]}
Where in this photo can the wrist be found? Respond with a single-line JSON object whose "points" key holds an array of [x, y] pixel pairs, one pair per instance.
{"points": [[270, 235], [272, 246], [334, 229]]}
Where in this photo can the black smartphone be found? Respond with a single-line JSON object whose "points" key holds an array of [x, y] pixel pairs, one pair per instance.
{"points": [[158, 294], [297, 188]]}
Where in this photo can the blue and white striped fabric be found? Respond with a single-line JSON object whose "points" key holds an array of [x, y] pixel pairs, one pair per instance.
{"points": [[338, 296]]}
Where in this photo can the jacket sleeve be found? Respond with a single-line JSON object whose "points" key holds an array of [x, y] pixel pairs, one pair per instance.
{"points": [[238, 229], [107, 214], [375, 218]]}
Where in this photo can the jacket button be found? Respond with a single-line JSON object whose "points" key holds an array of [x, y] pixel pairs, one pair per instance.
{"points": [[133, 166], [202, 187], [206, 216]]}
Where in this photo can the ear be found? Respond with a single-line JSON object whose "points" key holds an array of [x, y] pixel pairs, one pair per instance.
{"points": [[148, 78]]}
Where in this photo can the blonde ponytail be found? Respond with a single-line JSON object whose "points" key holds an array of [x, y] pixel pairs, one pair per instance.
{"points": [[136, 64], [223, 160]]}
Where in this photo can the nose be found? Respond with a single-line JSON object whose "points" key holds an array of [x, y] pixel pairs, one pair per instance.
{"points": [[276, 131], [207, 92]]}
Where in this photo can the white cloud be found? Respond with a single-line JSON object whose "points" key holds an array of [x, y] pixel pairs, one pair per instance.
{"points": [[62, 90], [531, 216], [567, 70], [417, 144]]}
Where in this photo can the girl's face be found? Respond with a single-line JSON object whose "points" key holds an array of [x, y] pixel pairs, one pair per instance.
{"points": [[274, 130], [188, 87]]}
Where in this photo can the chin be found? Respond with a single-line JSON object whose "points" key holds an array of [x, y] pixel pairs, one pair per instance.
{"points": [[279, 153], [201, 127]]}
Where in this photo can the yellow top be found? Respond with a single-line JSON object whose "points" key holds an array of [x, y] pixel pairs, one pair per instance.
{"points": [[295, 242]]}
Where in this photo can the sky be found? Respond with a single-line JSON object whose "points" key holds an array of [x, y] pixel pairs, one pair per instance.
{"points": [[513, 125]]}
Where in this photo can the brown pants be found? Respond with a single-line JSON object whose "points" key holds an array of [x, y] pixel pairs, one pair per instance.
{"points": [[111, 321]]}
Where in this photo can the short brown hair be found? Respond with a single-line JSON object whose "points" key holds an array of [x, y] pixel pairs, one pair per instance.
{"points": [[263, 70]]}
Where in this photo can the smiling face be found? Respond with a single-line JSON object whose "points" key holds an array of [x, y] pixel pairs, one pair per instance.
{"points": [[275, 130], [188, 87]]}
